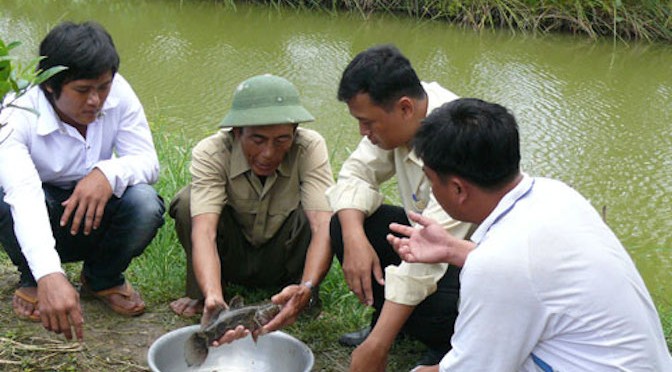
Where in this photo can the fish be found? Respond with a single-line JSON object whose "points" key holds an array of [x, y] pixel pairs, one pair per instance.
{"points": [[251, 317]]}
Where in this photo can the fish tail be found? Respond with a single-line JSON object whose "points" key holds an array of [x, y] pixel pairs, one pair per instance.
{"points": [[195, 349]]}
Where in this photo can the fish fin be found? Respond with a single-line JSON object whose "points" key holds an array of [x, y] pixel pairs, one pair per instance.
{"points": [[195, 349], [236, 302]]}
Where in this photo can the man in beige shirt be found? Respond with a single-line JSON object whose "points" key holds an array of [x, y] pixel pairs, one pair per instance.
{"points": [[255, 212], [388, 100]]}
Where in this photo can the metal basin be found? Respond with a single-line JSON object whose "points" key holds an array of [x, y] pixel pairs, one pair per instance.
{"points": [[276, 351]]}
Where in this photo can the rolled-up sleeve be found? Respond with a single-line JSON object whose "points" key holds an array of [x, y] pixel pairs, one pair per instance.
{"points": [[410, 283], [360, 177]]}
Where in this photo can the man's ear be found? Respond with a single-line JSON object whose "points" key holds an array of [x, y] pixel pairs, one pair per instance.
{"points": [[236, 132], [407, 106], [460, 188]]}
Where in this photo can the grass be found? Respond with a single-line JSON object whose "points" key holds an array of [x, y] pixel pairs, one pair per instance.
{"points": [[618, 19], [159, 274]]}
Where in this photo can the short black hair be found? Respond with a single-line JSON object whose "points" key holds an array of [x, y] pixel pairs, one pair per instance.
{"points": [[382, 72], [472, 139], [86, 49]]}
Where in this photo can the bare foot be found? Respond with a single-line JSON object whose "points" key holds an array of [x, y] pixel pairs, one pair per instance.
{"points": [[187, 307], [24, 303]]}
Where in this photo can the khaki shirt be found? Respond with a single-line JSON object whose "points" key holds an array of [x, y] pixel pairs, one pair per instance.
{"points": [[222, 176], [358, 187]]}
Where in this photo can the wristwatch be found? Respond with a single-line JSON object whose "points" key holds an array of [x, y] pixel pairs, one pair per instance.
{"points": [[313, 292]]}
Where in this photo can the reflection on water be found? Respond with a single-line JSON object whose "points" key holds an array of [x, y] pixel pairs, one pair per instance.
{"points": [[595, 115]]}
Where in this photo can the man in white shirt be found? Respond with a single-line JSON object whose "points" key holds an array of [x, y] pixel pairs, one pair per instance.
{"points": [[75, 182], [388, 100], [546, 285]]}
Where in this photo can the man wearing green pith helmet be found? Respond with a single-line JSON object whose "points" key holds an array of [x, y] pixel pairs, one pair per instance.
{"points": [[255, 212]]}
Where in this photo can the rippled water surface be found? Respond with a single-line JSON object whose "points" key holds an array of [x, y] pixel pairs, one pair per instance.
{"points": [[596, 115]]}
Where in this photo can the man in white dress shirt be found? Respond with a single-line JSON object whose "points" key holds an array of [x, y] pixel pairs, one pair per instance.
{"points": [[75, 182], [546, 285]]}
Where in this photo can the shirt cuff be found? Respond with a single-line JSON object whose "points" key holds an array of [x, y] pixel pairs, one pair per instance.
{"points": [[111, 172], [47, 263], [410, 283], [348, 196]]}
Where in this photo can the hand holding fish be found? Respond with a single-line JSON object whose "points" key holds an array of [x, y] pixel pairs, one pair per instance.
{"points": [[225, 325], [428, 243], [293, 299]]}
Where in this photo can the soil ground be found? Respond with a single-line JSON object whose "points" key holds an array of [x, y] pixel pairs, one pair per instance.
{"points": [[111, 342]]}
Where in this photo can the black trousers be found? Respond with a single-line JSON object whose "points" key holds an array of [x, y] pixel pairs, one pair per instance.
{"points": [[129, 224], [433, 320]]}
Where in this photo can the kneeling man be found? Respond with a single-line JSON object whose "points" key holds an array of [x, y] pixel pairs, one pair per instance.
{"points": [[256, 210], [75, 181]]}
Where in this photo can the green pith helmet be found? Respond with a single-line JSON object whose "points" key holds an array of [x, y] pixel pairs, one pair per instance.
{"points": [[263, 100]]}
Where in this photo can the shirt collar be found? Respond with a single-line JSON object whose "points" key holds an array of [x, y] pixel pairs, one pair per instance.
{"points": [[413, 157], [433, 100], [503, 207], [47, 121]]}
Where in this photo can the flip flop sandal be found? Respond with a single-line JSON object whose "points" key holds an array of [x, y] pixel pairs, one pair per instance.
{"points": [[29, 299], [126, 291]]}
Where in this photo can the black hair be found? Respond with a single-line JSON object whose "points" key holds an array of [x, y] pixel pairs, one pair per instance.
{"points": [[382, 72], [472, 139], [86, 49]]}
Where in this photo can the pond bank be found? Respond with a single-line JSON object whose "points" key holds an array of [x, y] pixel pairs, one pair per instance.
{"points": [[622, 19]]}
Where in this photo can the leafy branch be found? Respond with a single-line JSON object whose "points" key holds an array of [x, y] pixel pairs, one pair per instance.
{"points": [[17, 78]]}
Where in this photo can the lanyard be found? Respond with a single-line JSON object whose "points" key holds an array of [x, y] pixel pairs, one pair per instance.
{"points": [[541, 364]]}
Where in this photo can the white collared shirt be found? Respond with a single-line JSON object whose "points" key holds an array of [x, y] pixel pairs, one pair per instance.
{"points": [[43, 149], [548, 277], [358, 187]]}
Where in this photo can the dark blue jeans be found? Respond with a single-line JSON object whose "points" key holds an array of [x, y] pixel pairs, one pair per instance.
{"points": [[129, 224], [432, 321]]}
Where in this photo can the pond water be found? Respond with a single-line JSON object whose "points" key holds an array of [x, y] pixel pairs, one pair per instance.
{"points": [[597, 115]]}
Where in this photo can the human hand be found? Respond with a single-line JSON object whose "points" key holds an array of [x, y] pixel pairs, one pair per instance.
{"points": [[88, 202], [368, 358], [232, 335], [60, 309], [293, 299], [428, 243], [212, 306], [360, 261]]}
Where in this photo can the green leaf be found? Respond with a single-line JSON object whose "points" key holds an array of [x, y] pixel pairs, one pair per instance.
{"points": [[45, 75], [13, 45], [5, 88]]}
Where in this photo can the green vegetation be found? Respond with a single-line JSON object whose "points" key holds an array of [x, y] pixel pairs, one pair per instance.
{"points": [[623, 19], [17, 78]]}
